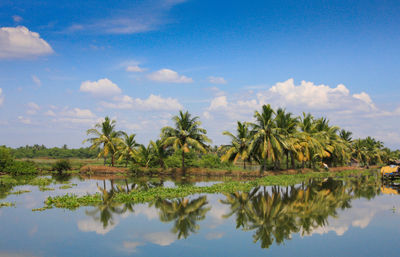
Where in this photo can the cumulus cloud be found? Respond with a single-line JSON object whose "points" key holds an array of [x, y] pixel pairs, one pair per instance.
{"points": [[217, 80], [101, 87], [20, 42], [73, 116], [167, 75], [36, 80], [32, 108], [134, 68], [1, 97], [219, 102], [153, 102]]}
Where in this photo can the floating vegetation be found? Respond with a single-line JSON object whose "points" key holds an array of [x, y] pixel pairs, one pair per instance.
{"points": [[19, 192], [71, 201], [41, 209], [6, 204], [65, 187], [43, 188], [41, 182]]}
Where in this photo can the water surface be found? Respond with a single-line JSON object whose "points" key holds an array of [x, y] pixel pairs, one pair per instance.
{"points": [[320, 218]]}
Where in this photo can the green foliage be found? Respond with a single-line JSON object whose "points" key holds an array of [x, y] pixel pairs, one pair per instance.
{"points": [[62, 165], [41, 151], [6, 204], [6, 157], [21, 168]]}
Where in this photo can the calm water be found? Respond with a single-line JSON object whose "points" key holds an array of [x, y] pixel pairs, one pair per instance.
{"points": [[330, 218]]}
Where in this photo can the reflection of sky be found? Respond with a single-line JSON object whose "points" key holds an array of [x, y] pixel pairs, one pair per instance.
{"points": [[369, 228]]}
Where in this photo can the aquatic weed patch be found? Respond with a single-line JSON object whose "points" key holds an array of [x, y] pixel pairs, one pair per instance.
{"points": [[20, 192], [6, 204], [71, 201]]}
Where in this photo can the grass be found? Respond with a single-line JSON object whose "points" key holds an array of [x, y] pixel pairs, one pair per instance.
{"points": [[46, 164], [44, 188], [71, 201]]}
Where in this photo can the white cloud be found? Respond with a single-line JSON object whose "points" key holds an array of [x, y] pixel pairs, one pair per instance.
{"points": [[217, 80], [134, 68], [24, 120], [74, 116], [1, 97], [160, 238], [365, 98], [32, 108], [167, 75], [153, 102], [219, 102], [36, 80], [50, 113], [17, 18], [19, 42], [102, 87]]}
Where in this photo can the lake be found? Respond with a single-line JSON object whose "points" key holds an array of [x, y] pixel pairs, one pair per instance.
{"points": [[331, 217]]}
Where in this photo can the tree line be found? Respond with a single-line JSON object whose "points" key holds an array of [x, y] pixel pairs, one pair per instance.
{"points": [[276, 139]]}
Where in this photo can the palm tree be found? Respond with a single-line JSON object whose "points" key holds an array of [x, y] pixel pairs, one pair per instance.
{"points": [[187, 134], [287, 125], [127, 148], [239, 147], [104, 137], [144, 155], [159, 151], [265, 137]]}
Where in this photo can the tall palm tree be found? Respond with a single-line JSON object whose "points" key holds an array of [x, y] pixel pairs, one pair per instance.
{"points": [[287, 125], [127, 148], [265, 136], [104, 137], [239, 147], [187, 134]]}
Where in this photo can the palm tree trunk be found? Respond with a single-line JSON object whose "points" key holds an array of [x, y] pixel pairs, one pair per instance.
{"points": [[183, 161], [287, 159], [112, 160], [244, 164], [292, 157]]}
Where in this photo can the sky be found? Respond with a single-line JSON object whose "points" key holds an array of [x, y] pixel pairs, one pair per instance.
{"points": [[65, 65]]}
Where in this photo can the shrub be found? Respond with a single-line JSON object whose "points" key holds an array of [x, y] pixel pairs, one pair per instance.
{"points": [[62, 165], [20, 168], [5, 157]]}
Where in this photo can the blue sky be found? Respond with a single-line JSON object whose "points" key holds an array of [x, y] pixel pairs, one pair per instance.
{"points": [[64, 65]]}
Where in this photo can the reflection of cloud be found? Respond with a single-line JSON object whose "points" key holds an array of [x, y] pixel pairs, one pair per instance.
{"points": [[160, 238], [90, 225], [214, 235], [216, 214], [149, 212], [131, 246], [360, 215]]}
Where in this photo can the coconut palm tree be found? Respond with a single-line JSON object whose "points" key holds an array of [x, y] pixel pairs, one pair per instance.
{"points": [[239, 147], [266, 140], [105, 137], [287, 125], [127, 148], [144, 155], [160, 152], [187, 134]]}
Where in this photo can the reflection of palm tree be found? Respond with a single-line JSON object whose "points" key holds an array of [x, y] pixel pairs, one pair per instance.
{"points": [[184, 212], [274, 215], [105, 210], [239, 202]]}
